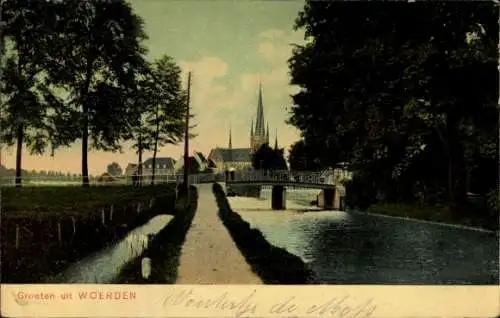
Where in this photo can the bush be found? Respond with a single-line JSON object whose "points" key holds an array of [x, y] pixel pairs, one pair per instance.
{"points": [[274, 265]]}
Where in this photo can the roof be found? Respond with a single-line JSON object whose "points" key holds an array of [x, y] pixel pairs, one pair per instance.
{"points": [[200, 155], [169, 162], [231, 155]]}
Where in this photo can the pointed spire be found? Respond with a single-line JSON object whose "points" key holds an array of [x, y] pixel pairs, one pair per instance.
{"points": [[259, 125], [251, 129], [230, 139], [267, 133], [276, 141]]}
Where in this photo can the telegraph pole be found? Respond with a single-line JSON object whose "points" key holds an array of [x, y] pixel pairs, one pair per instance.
{"points": [[186, 137]]}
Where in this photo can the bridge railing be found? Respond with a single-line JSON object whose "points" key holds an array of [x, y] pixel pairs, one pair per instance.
{"points": [[312, 177]]}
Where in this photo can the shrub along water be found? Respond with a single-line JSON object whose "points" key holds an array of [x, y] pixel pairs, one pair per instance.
{"points": [[274, 265]]}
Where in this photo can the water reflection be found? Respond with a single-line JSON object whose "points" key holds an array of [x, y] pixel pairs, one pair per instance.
{"points": [[105, 265], [343, 248]]}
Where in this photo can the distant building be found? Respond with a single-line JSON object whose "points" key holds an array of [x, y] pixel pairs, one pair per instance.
{"points": [[194, 164], [241, 158], [164, 165], [130, 169]]}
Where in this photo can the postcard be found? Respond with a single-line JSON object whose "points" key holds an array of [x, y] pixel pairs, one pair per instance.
{"points": [[249, 158]]}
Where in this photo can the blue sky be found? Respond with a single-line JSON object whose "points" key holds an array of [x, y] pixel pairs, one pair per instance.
{"points": [[229, 46]]}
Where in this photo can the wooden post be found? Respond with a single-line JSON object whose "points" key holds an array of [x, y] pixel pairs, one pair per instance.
{"points": [[59, 233], [74, 224], [17, 236], [103, 217], [186, 137]]}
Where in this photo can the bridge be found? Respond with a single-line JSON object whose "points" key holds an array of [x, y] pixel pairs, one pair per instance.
{"points": [[330, 182], [301, 179], [237, 182]]}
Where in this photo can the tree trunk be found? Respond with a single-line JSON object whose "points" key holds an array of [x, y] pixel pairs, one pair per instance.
{"points": [[85, 140], [139, 163], [19, 154], [84, 94], [157, 135]]}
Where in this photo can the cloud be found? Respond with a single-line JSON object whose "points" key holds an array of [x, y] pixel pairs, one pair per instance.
{"points": [[276, 45]]}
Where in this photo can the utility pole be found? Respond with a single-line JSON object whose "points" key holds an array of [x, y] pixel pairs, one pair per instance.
{"points": [[186, 137]]}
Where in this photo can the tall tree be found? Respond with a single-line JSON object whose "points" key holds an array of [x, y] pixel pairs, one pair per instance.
{"points": [[168, 118], [302, 157], [399, 86], [99, 52], [31, 111]]}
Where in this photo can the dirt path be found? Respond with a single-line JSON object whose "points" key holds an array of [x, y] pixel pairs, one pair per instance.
{"points": [[209, 255]]}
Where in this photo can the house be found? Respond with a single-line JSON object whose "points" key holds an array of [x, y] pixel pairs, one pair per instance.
{"points": [[131, 169], [164, 165], [193, 164]]}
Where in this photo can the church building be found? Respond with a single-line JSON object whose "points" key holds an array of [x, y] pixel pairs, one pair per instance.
{"points": [[241, 158]]}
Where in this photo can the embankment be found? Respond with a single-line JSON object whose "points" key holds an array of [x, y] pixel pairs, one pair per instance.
{"points": [[274, 265], [164, 249], [45, 230]]}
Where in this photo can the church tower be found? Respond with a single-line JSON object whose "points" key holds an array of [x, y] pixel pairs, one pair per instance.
{"points": [[259, 136]]}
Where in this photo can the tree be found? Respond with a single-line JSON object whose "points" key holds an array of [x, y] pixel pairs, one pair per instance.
{"points": [[168, 117], [399, 86], [98, 54], [31, 110], [267, 158], [302, 158], [114, 169]]}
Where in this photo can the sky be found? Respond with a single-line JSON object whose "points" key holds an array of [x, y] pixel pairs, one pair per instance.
{"points": [[229, 46]]}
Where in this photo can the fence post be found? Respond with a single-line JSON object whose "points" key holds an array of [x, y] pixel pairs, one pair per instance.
{"points": [[74, 224], [103, 217], [59, 232], [17, 236]]}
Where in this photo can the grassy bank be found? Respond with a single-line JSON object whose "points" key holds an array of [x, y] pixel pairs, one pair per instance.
{"points": [[273, 265], [164, 250], [437, 213], [44, 229]]}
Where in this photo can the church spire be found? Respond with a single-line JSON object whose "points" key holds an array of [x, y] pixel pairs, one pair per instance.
{"points": [[251, 129], [259, 125], [230, 141], [267, 133]]}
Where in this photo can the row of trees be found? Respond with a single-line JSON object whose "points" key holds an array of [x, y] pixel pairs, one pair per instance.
{"points": [[34, 174], [406, 93], [77, 71]]}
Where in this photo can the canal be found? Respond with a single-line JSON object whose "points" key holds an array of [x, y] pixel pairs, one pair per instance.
{"points": [[356, 248]]}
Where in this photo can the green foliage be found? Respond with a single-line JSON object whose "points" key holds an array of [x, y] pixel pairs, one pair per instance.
{"points": [[406, 93], [267, 158], [114, 169], [302, 157]]}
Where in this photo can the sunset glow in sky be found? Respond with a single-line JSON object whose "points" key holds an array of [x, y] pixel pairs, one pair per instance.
{"points": [[229, 46]]}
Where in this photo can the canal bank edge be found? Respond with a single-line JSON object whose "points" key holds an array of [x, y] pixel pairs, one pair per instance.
{"points": [[164, 250], [274, 265], [414, 219]]}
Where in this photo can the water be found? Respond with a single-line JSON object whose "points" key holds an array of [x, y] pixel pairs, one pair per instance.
{"points": [[104, 266], [354, 248]]}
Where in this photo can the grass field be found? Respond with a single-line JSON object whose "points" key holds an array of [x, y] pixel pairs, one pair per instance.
{"points": [[41, 202], [44, 229]]}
